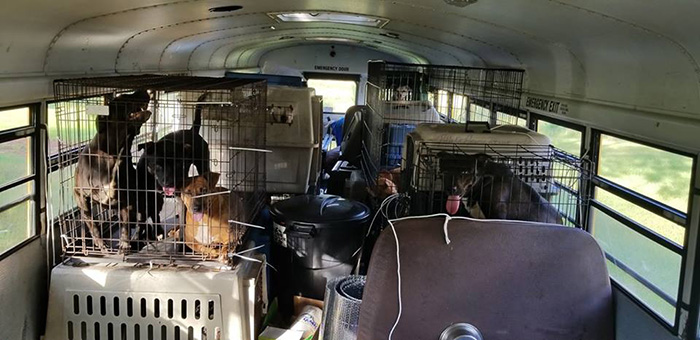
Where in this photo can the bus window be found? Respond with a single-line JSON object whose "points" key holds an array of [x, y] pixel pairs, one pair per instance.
{"points": [[443, 102], [644, 268], [338, 95], [18, 178], [60, 170], [661, 175], [505, 118], [479, 113], [638, 216], [459, 108], [561, 137]]}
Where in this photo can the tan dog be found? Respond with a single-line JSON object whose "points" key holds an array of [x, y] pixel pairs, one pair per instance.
{"points": [[209, 209], [386, 184]]}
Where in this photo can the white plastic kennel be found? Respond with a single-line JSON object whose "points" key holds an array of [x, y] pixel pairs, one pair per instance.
{"points": [[106, 300], [434, 138], [294, 145]]}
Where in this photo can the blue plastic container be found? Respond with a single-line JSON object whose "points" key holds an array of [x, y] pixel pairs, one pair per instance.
{"points": [[394, 139]]}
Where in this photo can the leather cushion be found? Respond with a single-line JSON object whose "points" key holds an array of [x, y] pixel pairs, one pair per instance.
{"points": [[512, 280]]}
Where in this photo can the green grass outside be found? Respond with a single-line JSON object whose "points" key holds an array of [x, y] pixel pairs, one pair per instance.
{"points": [[657, 174], [14, 118], [565, 139], [653, 262], [15, 223]]}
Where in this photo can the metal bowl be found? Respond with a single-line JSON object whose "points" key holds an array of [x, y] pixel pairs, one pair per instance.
{"points": [[461, 331]]}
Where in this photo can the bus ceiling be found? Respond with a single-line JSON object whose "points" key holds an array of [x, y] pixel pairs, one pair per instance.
{"points": [[610, 63]]}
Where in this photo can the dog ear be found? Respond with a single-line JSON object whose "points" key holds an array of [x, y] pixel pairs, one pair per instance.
{"points": [[482, 158], [213, 178]]}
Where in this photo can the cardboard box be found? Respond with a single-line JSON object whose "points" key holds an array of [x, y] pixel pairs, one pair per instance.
{"points": [[274, 333], [300, 302]]}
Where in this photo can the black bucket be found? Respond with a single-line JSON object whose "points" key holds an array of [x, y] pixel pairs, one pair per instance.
{"points": [[315, 238]]}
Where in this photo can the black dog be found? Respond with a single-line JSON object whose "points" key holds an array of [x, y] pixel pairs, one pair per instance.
{"points": [[499, 193], [105, 173], [168, 160]]}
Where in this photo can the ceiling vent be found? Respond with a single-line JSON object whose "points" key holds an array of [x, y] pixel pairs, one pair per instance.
{"points": [[460, 3], [225, 9], [332, 17]]}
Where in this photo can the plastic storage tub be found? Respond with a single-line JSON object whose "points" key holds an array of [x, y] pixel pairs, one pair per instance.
{"points": [[395, 138]]}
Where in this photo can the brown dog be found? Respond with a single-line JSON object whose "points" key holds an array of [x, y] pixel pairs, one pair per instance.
{"points": [[386, 184], [209, 209], [105, 174]]}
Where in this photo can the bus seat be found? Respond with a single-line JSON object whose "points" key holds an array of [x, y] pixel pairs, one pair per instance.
{"points": [[510, 279]]}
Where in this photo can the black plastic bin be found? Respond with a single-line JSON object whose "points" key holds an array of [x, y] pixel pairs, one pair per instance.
{"points": [[315, 238]]}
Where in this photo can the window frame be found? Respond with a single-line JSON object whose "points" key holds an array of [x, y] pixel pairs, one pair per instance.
{"points": [[585, 187], [693, 322], [33, 131], [655, 207], [494, 108]]}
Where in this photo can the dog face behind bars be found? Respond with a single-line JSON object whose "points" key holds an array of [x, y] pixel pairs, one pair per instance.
{"points": [[498, 192], [127, 110], [402, 93], [192, 194], [209, 209], [461, 172], [168, 160]]}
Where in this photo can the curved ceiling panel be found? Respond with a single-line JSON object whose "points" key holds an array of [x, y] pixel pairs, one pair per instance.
{"points": [[437, 53], [209, 47], [147, 49], [211, 42], [29, 27], [252, 55], [640, 54]]}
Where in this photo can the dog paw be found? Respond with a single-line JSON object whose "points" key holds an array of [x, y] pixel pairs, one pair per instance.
{"points": [[124, 247]]}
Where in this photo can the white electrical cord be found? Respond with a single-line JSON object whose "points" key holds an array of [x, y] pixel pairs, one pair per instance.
{"points": [[398, 280], [383, 206]]}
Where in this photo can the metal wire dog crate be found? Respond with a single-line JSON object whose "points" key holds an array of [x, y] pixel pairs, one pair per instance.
{"points": [[403, 95], [558, 178], [133, 149]]}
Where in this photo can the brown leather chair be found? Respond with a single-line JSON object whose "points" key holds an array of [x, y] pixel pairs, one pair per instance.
{"points": [[512, 280]]}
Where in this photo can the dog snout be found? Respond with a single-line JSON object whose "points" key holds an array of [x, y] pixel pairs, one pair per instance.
{"points": [[140, 116], [198, 205]]}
